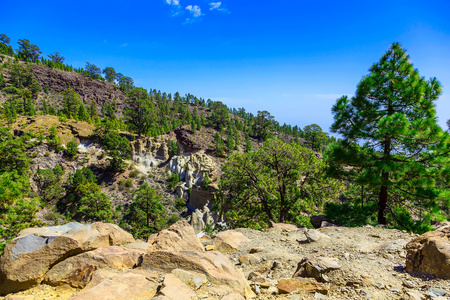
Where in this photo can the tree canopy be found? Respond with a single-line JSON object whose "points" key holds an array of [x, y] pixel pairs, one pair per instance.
{"points": [[314, 136], [139, 112], [263, 125], [275, 183], [28, 51], [56, 57], [392, 141]]}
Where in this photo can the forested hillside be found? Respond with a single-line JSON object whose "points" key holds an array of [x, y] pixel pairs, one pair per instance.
{"points": [[85, 144]]}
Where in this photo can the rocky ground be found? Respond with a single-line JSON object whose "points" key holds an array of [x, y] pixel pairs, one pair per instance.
{"points": [[371, 260], [283, 262]]}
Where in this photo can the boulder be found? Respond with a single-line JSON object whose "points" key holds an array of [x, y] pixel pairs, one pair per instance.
{"points": [[316, 221], [430, 253], [78, 270], [229, 241], [178, 237], [28, 257], [289, 285], [175, 289], [316, 267], [215, 266], [313, 235], [115, 284], [193, 279]]}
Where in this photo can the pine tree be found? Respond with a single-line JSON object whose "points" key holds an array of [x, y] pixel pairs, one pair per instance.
{"points": [[139, 113], [392, 141]]}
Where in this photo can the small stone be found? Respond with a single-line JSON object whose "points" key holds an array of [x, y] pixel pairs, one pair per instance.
{"points": [[256, 250], [233, 296], [248, 259], [313, 235], [272, 290], [414, 295], [256, 289], [210, 248], [409, 284], [434, 292], [320, 296]]}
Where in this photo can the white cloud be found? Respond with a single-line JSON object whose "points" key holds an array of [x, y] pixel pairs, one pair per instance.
{"points": [[176, 7], [194, 10], [214, 5], [124, 45], [173, 2]]}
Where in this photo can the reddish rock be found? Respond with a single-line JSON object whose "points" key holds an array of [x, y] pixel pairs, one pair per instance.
{"points": [[288, 285]]}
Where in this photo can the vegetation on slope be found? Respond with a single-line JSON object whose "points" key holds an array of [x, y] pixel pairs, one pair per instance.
{"points": [[391, 167]]}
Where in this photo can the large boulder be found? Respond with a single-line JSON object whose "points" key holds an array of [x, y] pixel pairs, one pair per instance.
{"points": [[430, 253], [178, 237], [28, 257], [78, 270], [215, 266], [229, 241], [114, 284], [316, 221]]}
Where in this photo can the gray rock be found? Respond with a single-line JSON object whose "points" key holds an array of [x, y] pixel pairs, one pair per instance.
{"points": [[409, 284], [434, 292], [316, 267], [320, 296]]}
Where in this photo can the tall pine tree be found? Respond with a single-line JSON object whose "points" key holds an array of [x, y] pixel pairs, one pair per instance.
{"points": [[392, 141]]}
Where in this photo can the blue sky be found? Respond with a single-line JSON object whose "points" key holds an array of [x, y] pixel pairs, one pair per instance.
{"points": [[290, 57]]}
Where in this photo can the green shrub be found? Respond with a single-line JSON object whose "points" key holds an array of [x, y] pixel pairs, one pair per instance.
{"points": [[180, 204], [72, 148], [351, 213], [134, 173], [173, 180]]}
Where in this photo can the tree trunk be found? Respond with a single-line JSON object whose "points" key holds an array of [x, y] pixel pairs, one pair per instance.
{"points": [[382, 203]]}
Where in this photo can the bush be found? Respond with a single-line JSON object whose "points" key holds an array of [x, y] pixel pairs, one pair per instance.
{"points": [[180, 204], [206, 181], [173, 180], [72, 149], [173, 148], [351, 214], [134, 173]]}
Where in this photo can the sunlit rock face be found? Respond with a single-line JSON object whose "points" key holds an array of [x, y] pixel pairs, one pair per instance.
{"points": [[192, 168], [150, 153]]}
